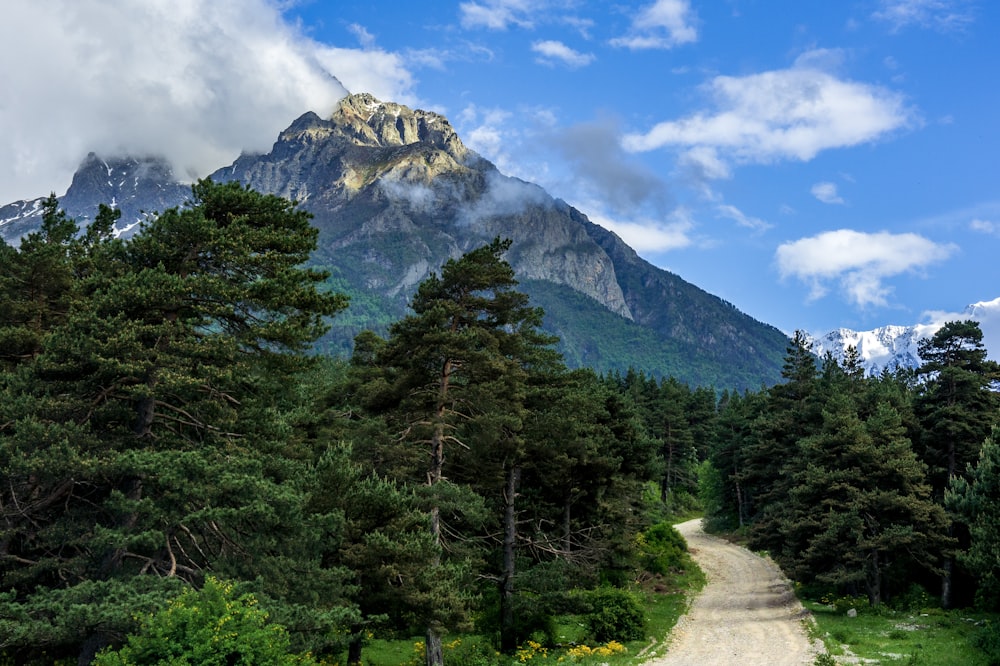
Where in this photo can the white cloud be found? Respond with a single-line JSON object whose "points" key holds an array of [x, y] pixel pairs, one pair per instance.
{"points": [[706, 162], [485, 131], [499, 14], [940, 15], [648, 235], [860, 262], [365, 38], [661, 25], [987, 313], [197, 81], [742, 219], [551, 51], [985, 226], [372, 70], [827, 193], [789, 114]]}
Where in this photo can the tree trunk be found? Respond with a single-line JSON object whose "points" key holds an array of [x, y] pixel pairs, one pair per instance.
{"points": [[874, 581], [88, 651], [354, 649], [947, 566], [508, 641], [567, 526], [433, 654]]}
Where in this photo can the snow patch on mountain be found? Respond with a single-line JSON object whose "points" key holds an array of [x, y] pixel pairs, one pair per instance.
{"points": [[893, 347]]}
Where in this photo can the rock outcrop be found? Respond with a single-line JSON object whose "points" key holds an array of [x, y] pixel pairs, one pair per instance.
{"points": [[378, 172]]}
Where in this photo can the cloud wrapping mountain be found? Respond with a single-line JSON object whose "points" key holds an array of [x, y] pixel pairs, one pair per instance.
{"points": [[196, 81]]}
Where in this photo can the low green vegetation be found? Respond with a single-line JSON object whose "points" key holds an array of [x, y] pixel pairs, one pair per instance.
{"points": [[924, 636], [662, 600]]}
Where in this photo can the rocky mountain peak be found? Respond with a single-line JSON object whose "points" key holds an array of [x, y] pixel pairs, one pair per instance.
{"points": [[137, 186], [367, 121]]}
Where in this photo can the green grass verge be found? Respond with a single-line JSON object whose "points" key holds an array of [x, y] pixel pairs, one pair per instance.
{"points": [[928, 637]]}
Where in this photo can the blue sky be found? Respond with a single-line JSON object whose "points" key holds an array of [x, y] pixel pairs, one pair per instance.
{"points": [[818, 164]]}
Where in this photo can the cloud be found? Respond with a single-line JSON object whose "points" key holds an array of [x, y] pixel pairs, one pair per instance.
{"points": [[384, 74], [940, 15], [485, 131], [499, 14], [552, 52], [585, 165], [860, 262], [650, 235], [789, 114], [601, 170], [985, 226], [706, 163], [742, 219], [418, 196], [827, 193], [365, 38], [987, 313], [504, 196], [196, 81], [661, 25]]}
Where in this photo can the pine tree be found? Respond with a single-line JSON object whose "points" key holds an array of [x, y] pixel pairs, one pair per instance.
{"points": [[141, 429], [455, 376], [860, 506], [975, 498], [792, 413], [956, 409]]}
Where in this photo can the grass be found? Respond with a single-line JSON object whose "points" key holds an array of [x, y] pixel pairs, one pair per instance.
{"points": [[929, 637]]}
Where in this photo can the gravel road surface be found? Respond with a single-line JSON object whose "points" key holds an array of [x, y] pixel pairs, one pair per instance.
{"points": [[746, 614]]}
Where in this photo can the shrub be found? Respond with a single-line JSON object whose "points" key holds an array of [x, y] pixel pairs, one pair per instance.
{"points": [[206, 627], [615, 615], [988, 640], [914, 599], [662, 549], [532, 619]]}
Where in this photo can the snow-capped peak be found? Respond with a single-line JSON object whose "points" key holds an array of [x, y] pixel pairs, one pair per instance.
{"points": [[891, 347]]}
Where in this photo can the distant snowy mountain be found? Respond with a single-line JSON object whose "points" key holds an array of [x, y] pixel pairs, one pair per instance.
{"points": [[135, 186], [892, 347]]}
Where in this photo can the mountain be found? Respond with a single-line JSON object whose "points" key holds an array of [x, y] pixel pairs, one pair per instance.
{"points": [[135, 186], [395, 193], [893, 347], [886, 348]]}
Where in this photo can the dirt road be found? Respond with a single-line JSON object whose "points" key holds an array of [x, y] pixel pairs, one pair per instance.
{"points": [[746, 614]]}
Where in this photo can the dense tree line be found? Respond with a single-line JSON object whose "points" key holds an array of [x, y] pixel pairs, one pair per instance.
{"points": [[164, 427], [168, 440], [865, 485]]}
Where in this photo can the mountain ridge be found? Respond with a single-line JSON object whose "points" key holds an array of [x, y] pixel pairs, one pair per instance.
{"points": [[893, 347], [395, 193]]}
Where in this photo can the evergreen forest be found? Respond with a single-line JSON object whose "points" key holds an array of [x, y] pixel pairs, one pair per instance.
{"points": [[184, 480]]}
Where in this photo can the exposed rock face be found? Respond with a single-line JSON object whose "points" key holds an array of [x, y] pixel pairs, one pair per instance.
{"points": [[20, 218], [377, 173]]}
